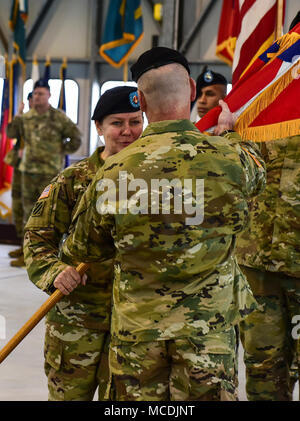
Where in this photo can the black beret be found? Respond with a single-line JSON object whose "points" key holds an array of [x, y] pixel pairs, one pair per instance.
{"points": [[208, 78], [295, 21], [41, 83], [157, 57], [122, 99]]}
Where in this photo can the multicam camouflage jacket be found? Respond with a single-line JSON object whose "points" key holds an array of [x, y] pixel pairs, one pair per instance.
{"points": [[88, 306], [174, 276], [272, 242], [45, 138]]}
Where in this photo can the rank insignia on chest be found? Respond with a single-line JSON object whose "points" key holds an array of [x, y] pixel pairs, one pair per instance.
{"points": [[46, 192]]}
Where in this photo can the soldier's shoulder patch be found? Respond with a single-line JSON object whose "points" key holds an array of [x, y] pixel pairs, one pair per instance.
{"points": [[38, 209], [46, 192]]}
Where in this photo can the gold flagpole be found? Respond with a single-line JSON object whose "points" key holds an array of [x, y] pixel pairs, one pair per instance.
{"points": [[279, 26], [36, 317], [125, 71]]}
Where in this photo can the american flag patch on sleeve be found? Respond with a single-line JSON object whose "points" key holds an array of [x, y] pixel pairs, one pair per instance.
{"points": [[46, 192]]}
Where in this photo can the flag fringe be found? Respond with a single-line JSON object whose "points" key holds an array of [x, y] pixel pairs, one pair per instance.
{"points": [[264, 100], [271, 131]]}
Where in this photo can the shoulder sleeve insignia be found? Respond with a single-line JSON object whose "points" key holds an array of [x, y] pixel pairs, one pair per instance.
{"points": [[46, 192], [38, 209]]}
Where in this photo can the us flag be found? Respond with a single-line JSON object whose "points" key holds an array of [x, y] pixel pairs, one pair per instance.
{"points": [[247, 28], [266, 98]]}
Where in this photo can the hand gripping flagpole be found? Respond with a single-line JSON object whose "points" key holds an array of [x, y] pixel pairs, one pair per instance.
{"points": [[36, 317]]}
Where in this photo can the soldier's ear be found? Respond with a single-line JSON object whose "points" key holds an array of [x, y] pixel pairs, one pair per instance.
{"points": [[143, 104], [98, 128], [193, 89]]}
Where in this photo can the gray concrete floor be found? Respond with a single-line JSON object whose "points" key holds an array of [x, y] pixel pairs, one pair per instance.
{"points": [[21, 373]]}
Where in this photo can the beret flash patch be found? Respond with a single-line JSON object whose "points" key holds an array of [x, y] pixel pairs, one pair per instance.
{"points": [[134, 99]]}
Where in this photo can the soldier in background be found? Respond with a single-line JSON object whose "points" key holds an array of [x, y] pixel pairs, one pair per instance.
{"points": [[177, 289], [210, 88], [269, 255], [48, 135], [77, 329], [13, 158]]}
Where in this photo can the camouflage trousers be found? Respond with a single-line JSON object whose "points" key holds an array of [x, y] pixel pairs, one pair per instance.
{"points": [[17, 205], [266, 335], [175, 370], [32, 187], [76, 362]]}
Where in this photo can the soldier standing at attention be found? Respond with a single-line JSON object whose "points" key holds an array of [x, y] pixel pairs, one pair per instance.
{"points": [[210, 88], [77, 329], [13, 158], [48, 135], [269, 255], [177, 289]]}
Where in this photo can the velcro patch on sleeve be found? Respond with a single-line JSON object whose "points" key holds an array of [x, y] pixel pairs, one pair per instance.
{"points": [[46, 192], [38, 209]]}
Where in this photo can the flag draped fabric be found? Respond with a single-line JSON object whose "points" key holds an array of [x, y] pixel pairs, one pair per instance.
{"points": [[17, 21], [247, 28], [123, 31], [6, 171], [226, 35], [266, 98], [62, 97]]}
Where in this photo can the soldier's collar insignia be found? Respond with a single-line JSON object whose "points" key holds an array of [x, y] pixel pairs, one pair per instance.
{"points": [[208, 77], [134, 99], [46, 192]]}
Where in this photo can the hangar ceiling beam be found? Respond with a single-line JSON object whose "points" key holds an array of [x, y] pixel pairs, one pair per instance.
{"points": [[169, 34], [41, 22], [196, 28]]}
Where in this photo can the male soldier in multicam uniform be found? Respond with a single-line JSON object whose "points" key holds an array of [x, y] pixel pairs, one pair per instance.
{"points": [[48, 135], [13, 158], [269, 255], [210, 88], [77, 329], [177, 288]]}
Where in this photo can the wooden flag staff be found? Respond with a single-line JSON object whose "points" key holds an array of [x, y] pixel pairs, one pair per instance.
{"points": [[36, 317]]}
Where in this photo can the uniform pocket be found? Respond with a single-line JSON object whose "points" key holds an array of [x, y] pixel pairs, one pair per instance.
{"points": [[215, 343], [53, 350]]}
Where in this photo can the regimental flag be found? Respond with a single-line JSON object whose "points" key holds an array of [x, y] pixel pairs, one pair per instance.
{"points": [[47, 71], [266, 99], [247, 28], [17, 21], [123, 31], [35, 73], [6, 171], [226, 35], [62, 97]]}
